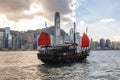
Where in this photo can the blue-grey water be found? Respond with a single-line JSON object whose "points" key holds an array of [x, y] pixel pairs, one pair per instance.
{"points": [[24, 65]]}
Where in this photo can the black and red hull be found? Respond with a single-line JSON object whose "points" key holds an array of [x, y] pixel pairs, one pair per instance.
{"points": [[65, 56]]}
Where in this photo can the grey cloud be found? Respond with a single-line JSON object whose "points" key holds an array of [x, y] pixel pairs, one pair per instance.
{"points": [[16, 16], [13, 9], [14, 5], [49, 7]]}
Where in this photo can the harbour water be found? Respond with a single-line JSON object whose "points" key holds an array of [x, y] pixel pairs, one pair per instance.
{"points": [[24, 65]]}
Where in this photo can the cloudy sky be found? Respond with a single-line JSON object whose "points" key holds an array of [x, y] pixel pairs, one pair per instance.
{"points": [[102, 17]]}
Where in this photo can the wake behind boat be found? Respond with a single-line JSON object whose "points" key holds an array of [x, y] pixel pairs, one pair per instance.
{"points": [[55, 49]]}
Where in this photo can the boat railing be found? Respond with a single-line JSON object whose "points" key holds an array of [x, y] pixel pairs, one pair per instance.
{"points": [[58, 49]]}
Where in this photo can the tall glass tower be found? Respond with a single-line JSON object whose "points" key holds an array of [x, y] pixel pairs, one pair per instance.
{"points": [[7, 38], [7, 31], [57, 28]]}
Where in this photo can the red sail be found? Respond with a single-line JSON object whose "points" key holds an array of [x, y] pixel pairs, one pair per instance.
{"points": [[85, 41], [44, 39]]}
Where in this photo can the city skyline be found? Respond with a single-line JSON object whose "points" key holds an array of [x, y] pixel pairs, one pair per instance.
{"points": [[101, 17], [14, 40]]}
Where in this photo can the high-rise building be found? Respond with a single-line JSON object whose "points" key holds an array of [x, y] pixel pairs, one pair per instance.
{"points": [[78, 41], [92, 44], [57, 28], [102, 43], [71, 35], [108, 43], [10, 41], [7, 38], [1, 40], [66, 38], [29, 36], [7, 31], [97, 44], [16, 43]]}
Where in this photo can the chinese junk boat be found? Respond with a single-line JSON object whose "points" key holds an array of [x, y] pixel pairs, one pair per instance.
{"points": [[62, 53], [70, 50]]}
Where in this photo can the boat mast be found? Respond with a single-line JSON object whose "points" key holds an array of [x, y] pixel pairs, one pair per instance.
{"points": [[86, 29], [74, 35]]}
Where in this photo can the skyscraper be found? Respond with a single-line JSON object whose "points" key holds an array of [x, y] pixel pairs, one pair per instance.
{"points": [[108, 43], [66, 38], [7, 38], [102, 43], [57, 28], [1, 40], [71, 35]]}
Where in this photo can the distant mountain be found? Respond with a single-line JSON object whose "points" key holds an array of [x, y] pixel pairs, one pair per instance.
{"points": [[13, 32], [50, 30], [2, 29]]}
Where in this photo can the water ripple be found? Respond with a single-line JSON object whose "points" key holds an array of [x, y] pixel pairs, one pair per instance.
{"points": [[24, 65]]}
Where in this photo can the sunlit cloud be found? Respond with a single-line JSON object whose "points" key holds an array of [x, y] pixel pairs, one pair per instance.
{"points": [[28, 9], [24, 12], [23, 24], [13, 9], [34, 9], [65, 7], [107, 20], [99, 16], [82, 23], [115, 38]]}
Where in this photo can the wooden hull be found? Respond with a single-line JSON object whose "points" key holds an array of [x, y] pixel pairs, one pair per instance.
{"points": [[58, 58]]}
